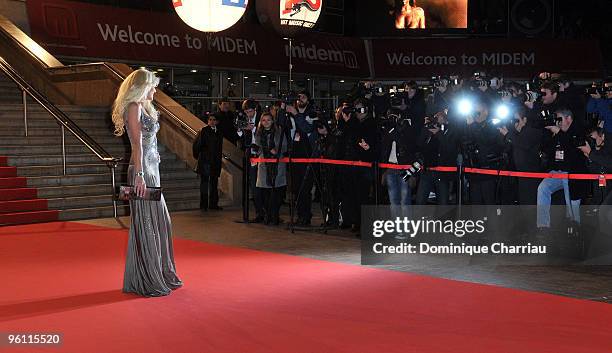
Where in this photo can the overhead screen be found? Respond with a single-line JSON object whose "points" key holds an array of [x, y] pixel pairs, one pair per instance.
{"points": [[401, 17]]}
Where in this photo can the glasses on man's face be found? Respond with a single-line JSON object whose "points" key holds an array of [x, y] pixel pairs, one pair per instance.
{"points": [[249, 111]]}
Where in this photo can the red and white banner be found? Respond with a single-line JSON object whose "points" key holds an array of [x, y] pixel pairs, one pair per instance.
{"points": [[524, 58], [83, 30]]}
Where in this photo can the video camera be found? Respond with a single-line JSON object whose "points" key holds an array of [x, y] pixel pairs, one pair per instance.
{"points": [[601, 88]]}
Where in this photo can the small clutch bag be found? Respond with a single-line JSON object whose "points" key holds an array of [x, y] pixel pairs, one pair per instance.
{"points": [[128, 192]]}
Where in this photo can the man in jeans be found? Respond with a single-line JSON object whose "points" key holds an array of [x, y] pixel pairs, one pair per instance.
{"points": [[564, 157], [399, 147]]}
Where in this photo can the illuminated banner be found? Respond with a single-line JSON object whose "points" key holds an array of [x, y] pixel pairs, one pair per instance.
{"points": [[422, 58], [73, 29], [300, 13], [210, 15]]}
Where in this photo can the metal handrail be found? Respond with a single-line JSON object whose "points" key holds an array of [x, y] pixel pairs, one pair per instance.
{"points": [[63, 120]]}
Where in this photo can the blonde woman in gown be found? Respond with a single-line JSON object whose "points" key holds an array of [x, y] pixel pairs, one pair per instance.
{"points": [[149, 268]]}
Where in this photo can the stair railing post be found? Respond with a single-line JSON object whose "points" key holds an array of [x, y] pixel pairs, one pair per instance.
{"points": [[24, 97], [64, 149], [113, 190]]}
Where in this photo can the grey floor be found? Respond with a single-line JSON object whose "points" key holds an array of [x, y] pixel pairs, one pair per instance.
{"points": [[220, 227]]}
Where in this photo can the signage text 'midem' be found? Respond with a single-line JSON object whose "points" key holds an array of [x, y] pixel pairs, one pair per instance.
{"points": [[508, 59], [233, 45]]}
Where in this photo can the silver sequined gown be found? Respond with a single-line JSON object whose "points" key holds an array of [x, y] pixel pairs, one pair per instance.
{"points": [[149, 267]]}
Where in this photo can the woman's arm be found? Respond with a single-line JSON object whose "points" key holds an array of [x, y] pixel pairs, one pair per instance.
{"points": [[135, 134]]}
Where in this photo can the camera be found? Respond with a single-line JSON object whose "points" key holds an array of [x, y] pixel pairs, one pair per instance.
{"points": [[548, 118], [396, 99], [289, 98], [504, 93], [530, 96], [435, 125], [241, 121], [439, 81], [415, 168], [598, 89], [348, 110]]}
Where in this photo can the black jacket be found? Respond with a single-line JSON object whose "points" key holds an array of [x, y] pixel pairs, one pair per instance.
{"points": [[526, 146], [368, 131], [440, 149], [405, 145], [348, 134], [416, 109], [601, 160], [562, 154], [483, 144], [208, 149], [226, 125]]}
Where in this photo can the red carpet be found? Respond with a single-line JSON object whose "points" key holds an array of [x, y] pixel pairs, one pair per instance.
{"points": [[18, 203], [66, 277]]}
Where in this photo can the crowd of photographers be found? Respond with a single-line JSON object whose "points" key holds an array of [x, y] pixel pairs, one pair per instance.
{"points": [[547, 125]]}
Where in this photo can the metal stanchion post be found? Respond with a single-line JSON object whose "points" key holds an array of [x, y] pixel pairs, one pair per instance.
{"points": [[64, 149], [24, 97], [113, 191]]}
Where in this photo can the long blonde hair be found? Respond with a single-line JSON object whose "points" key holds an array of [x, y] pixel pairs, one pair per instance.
{"points": [[134, 89]]}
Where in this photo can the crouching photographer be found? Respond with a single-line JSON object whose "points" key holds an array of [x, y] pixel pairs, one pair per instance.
{"points": [[439, 145], [561, 150]]}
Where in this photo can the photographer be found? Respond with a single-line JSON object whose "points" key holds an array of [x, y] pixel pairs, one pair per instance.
{"points": [[399, 147], [225, 120], [563, 157], [415, 101], [548, 101], [600, 102], [525, 142], [355, 179], [482, 147], [207, 150], [250, 118], [572, 98], [302, 116], [271, 177], [599, 155], [327, 174], [441, 97], [439, 144]]}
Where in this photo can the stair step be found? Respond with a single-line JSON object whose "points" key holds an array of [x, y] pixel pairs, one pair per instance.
{"points": [[23, 206], [8, 172], [177, 187], [29, 217], [54, 140], [76, 169], [41, 160], [104, 200], [85, 179], [18, 194], [11, 183], [68, 109], [70, 149], [19, 131]]}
